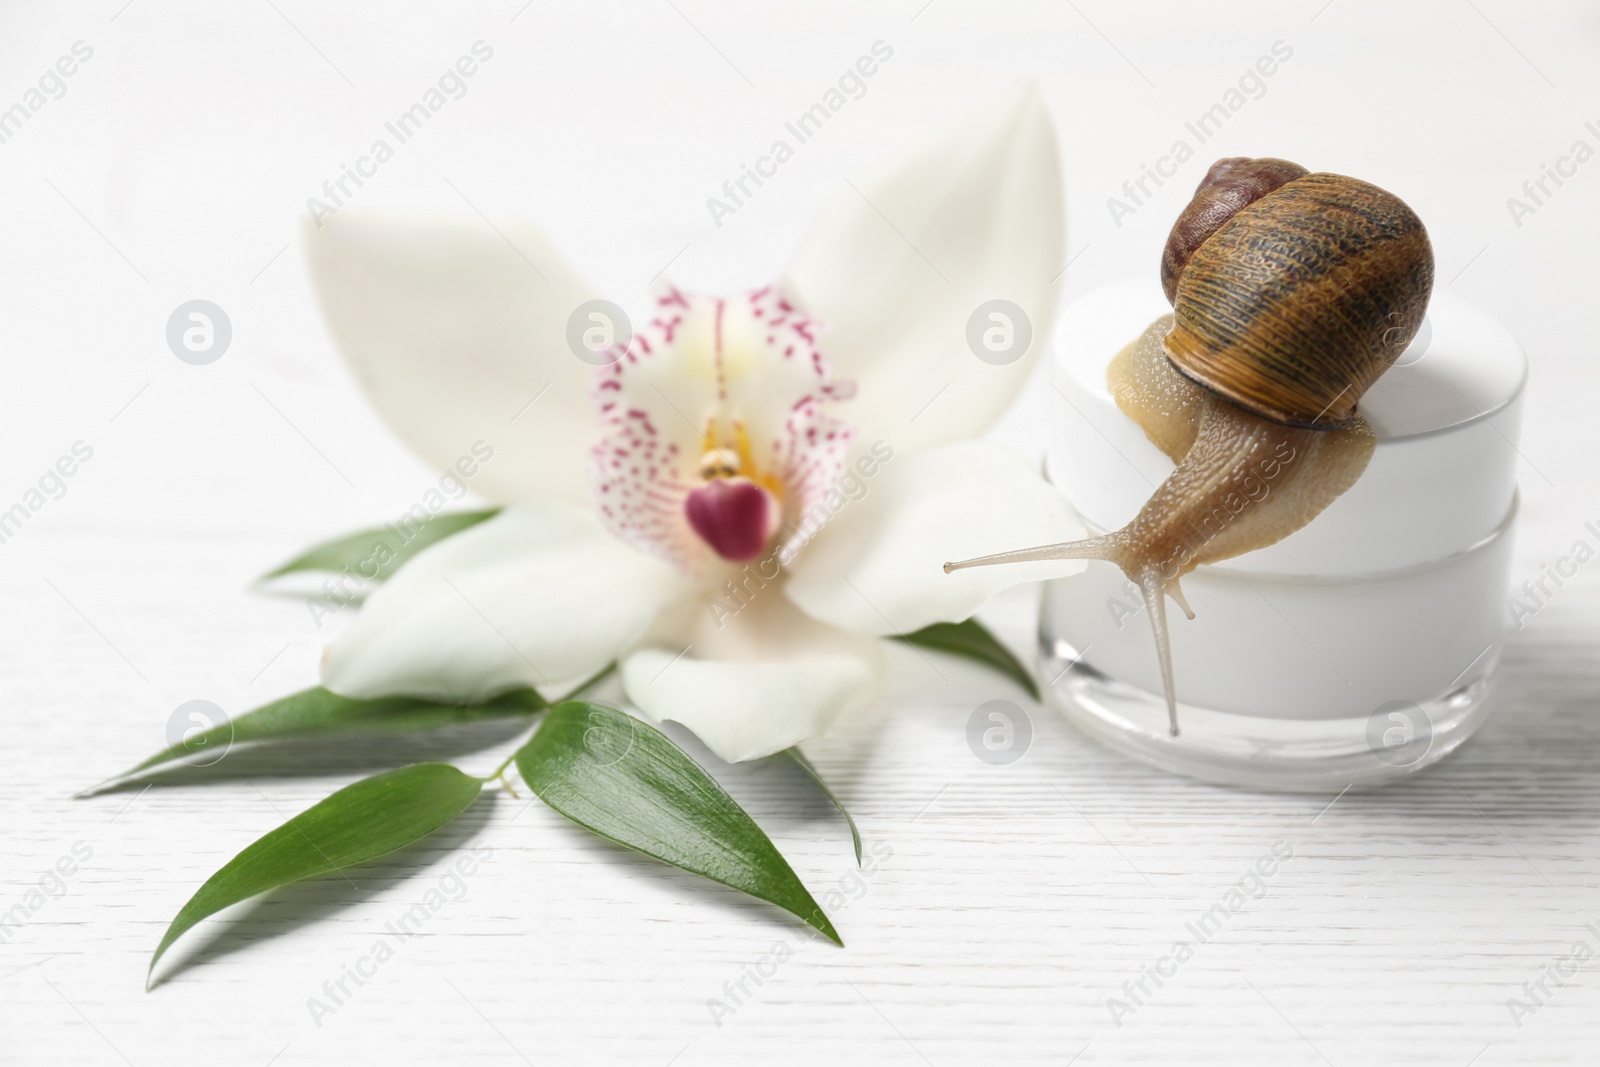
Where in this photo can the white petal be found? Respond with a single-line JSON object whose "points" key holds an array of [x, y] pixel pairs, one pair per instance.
{"points": [[767, 679], [897, 269], [877, 567], [539, 595], [453, 329]]}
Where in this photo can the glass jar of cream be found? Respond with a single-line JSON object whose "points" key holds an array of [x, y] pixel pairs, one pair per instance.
{"points": [[1361, 647]]}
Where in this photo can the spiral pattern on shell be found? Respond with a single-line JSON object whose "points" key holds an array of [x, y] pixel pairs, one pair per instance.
{"points": [[1293, 292]]}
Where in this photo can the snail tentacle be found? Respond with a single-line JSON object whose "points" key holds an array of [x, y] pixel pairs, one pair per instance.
{"points": [[1152, 587], [1101, 548]]}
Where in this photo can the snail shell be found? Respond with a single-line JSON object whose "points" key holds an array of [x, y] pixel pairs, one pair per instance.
{"points": [[1293, 291]]}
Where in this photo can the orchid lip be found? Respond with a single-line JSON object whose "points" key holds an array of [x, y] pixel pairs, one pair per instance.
{"points": [[734, 516]]}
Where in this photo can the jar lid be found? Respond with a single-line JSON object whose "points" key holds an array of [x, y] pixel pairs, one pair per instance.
{"points": [[1442, 477]]}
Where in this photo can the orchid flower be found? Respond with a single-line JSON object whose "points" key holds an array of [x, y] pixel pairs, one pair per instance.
{"points": [[747, 495]]}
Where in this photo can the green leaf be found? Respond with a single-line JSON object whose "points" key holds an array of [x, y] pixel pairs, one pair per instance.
{"points": [[360, 822], [800, 758], [376, 554], [624, 779], [317, 711], [971, 640]]}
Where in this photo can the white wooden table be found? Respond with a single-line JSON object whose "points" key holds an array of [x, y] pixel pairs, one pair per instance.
{"points": [[1012, 903]]}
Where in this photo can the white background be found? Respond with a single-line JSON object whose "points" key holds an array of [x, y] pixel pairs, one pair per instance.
{"points": [[1017, 899]]}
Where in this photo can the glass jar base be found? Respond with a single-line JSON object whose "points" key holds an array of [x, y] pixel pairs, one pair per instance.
{"points": [[1266, 754]]}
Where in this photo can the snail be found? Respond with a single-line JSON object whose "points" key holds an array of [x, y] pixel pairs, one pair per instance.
{"points": [[1292, 292]]}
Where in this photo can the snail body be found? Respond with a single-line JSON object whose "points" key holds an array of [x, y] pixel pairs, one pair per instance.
{"points": [[1292, 293]]}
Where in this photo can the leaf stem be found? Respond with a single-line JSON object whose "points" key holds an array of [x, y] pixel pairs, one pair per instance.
{"points": [[500, 771], [605, 672]]}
